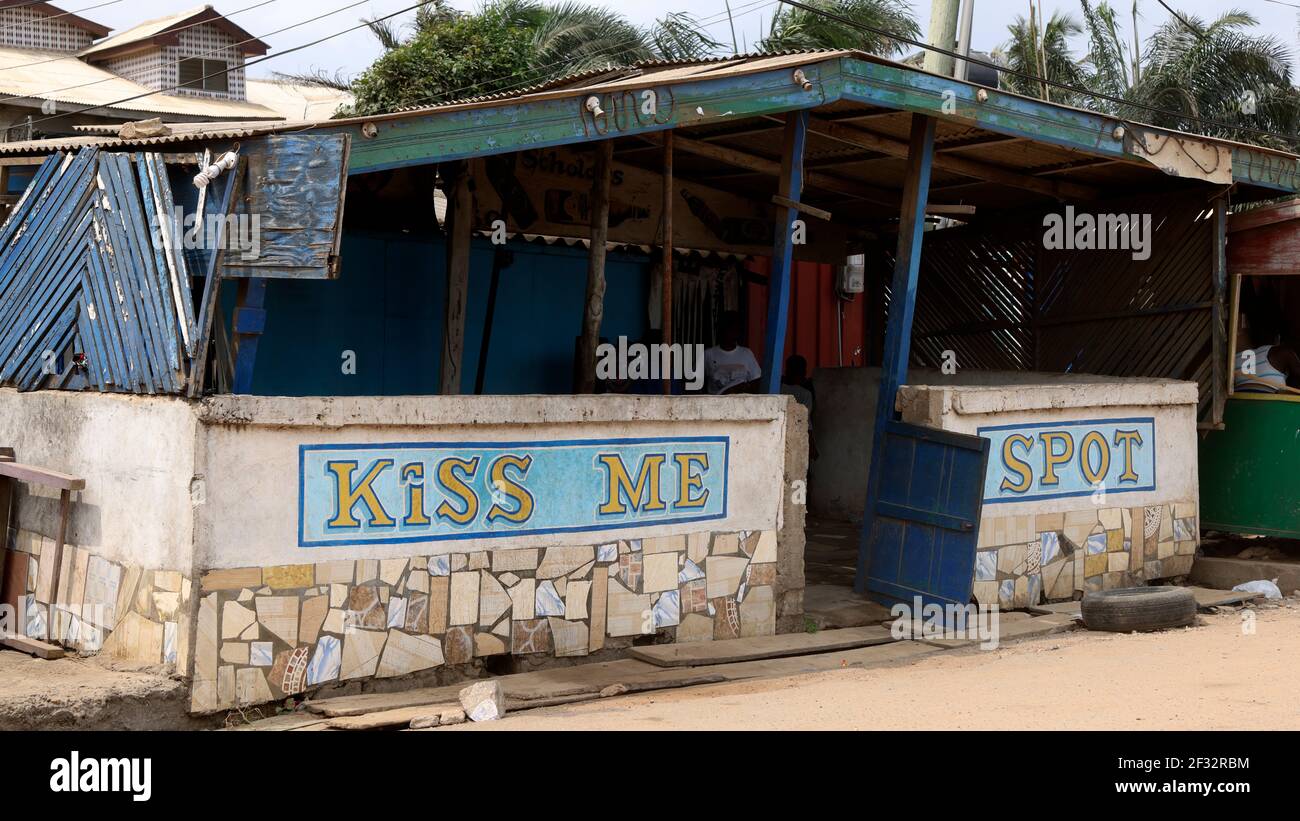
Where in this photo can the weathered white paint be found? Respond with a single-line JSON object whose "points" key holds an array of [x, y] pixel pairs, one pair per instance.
{"points": [[137, 457], [846, 401], [1172, 404], [248, 460]]}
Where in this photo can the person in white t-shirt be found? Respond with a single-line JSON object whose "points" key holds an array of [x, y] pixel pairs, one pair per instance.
{"points": [[730, 367]]}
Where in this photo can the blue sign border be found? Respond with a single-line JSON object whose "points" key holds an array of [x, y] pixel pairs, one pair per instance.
{"points": [[303, 450], [1075, 423]]}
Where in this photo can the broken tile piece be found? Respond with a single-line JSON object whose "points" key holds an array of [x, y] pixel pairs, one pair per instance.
{"points": [[361, 649], [405, 653], [259, 654], [464, 597], [568, 637], [531, 636], [493, 601], [235, 619], [561, 561], [575, 600], [325, 661], [548, 601], [279, 615], [523, 599], [659, 572]]}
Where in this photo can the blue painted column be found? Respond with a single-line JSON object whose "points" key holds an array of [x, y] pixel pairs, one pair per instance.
{"points": [[250, 321], [902, 307], [778, 283]]}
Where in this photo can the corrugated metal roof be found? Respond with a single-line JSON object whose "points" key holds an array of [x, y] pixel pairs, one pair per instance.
{"points": [[181, 132], [143, 31], [36, 75], [295, 101]]}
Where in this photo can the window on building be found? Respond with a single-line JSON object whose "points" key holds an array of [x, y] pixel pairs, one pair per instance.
{"points": [[206, 75]]}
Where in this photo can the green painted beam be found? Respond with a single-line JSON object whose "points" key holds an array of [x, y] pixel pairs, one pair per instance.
{"points": [[893, 87], [453, 134], [475, 132]]}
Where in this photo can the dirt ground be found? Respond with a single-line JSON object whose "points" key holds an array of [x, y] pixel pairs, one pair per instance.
{"points": [[1212, 676], [85, 694]]}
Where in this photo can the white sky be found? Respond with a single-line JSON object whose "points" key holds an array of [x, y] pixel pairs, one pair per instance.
{"points": [[352, 52]]}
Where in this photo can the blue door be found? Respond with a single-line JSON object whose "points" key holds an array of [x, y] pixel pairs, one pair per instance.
{"points": [[920, 540]]}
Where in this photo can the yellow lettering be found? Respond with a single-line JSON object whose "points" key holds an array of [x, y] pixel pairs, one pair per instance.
{"points": [[620, 484], [362, 492], [1128, 437], [413, 476], [1011, 462], [1051, 459], [1085, 457], [451, 480], [689, 482], [512, 489]]}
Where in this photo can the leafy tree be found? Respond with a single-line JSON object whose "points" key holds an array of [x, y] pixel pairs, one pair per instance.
{"points": [[512, 44], [796, 28]]}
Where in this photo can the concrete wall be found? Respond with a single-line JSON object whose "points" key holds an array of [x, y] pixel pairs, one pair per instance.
{"points": [[137, 457], [845, 414], [249, 451]]}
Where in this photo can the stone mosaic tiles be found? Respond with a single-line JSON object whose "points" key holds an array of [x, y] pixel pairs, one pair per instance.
{"points": [[1029, 559], [269, 633], [129, 613]]}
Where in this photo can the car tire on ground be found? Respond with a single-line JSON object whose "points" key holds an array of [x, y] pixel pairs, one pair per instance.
{"points": [[1138, 609]]}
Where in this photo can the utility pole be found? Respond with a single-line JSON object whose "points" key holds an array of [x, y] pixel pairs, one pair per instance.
{"points": [[963, 38], [943, 33]]}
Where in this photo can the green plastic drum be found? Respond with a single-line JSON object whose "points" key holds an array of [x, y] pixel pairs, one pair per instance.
{"points": [[1250, 471]]}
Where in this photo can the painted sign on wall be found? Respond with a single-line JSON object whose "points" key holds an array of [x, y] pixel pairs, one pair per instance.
{"points": [[426, 492], [1063, 459]]}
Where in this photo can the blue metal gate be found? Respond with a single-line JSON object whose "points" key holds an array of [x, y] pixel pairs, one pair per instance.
{"points": [[920, 539]]}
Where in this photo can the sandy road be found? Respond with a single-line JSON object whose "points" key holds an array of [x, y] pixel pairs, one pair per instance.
{"points": [[1213, 676]]}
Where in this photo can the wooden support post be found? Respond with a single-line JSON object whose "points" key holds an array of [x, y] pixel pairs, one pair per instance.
{"points": [[212, 278], [902, 305], [1222, 346], [250, 322], [593, 306], [666, 290], [778, 281], [501, 260], [460, 227]]}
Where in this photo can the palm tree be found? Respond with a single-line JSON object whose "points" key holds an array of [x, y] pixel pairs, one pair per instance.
{"points": [[1220, 71], [795, 28], [1034, 47]]}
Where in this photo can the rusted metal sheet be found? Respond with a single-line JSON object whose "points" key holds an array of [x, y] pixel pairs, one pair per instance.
{"points": [[292, 207]]}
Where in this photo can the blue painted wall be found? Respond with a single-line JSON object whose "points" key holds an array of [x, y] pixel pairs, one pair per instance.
{"points": [[388, 307]]}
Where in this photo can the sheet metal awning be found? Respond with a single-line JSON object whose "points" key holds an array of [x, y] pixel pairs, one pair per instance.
{"points": [[995, 149]]}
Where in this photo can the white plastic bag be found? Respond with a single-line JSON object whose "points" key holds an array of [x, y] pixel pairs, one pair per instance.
{"points": [[1267, 589]]}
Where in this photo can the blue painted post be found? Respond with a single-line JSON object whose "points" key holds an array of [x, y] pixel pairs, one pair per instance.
{"points": [[250, 321], [902, 306], [778, 282]]}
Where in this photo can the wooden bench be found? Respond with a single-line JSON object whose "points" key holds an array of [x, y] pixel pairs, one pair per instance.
{"points": [[12, 471]]}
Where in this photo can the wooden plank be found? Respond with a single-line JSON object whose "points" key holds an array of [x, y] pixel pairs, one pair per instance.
{"points": [[40, 649], [383, 719], [1206, 597], [41, 476], [902, 307], [294, 186], [212, 283], [666, 258], [593, 304], [790, 184], [1221, 346], [988, 172], [460, 235], [695, 654]]}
